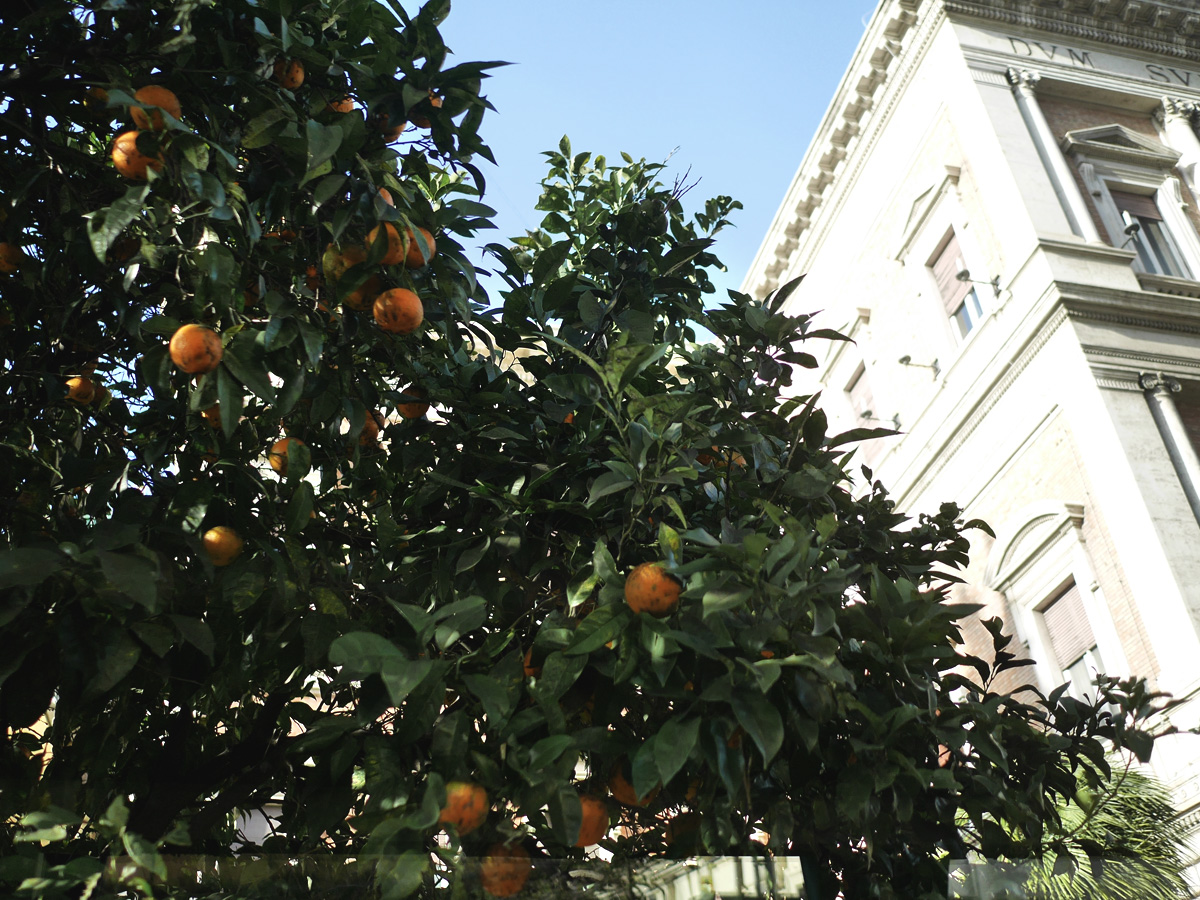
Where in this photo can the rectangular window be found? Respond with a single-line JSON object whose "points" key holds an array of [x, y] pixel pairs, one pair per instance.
{"points": [[1072, 641], [862, 401], [961, 302], [1155, 250]]}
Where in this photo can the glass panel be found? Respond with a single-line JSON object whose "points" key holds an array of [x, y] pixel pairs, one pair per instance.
{"points": [[968, 314], [1154, 242]]}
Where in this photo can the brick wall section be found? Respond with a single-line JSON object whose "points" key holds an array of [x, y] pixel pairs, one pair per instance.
{"points": [[1049, 468], [1187, 402], [1070, 115]]}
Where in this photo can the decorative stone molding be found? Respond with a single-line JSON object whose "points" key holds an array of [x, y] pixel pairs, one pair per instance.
{"points": [[1159, 383], [1039, 525], [1167, 27], [1177, 106], [1167, 284], [1022, 79], [1118, 143]]}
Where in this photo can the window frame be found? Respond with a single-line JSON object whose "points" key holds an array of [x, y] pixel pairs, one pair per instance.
{"points": [[1032, 563], [1114, 158], [975, 311]]}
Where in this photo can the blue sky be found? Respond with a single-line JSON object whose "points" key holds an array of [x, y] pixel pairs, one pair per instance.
{"points": [[738, 88]]}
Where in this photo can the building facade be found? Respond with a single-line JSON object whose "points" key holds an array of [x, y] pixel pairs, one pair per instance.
{"points": [[1001, 208]]}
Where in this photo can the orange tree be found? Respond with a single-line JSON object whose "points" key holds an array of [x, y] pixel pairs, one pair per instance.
{"points": [[361, 563]]}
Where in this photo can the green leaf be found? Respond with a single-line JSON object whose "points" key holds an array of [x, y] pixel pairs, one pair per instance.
{"points": [[117, 655], [323, 142], [471, 556], [497, 699], [105, 225], [559, 672], [608, 483], [144, 854], [229, 395], [328, 186], [134, 576], [566, 814], [400, 676], [673, 744], [246, 360], [600, 627], [645, 777], [27, 566], [761, 721], [299, 510], [546, 752], [196, 633], [549, 261], [363, 653], [47, 825], [459, 618], [263, 128], [399, 876]]}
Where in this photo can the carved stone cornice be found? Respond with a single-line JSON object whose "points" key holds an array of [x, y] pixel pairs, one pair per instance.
{"points": [[1169, 27], [1178, 106], [1022, 78], [1157, 382]]}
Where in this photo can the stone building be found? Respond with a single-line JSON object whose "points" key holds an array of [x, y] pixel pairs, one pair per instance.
{"points": [[1001, 208]]}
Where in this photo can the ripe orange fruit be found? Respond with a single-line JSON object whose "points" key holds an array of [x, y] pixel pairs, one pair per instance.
{"points": [[223, 545], [414, 409], [123, 249], [390, 132], [130, 161], [399, 311], [289, 73], [312, 280], [196, 349], [342, 105], [622, 789], [466, 806], [370, 433], [595, 820], [336, 260], [531, 671], [649, 589], [95, 101], [154, 95], [505, 869], [362, 296], [277, 456], [212, 415], [11, 257], [569, 419], [423, 121], [414, 257], [81, 389], [395, 243]]}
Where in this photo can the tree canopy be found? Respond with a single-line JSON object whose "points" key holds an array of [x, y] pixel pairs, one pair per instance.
{"points": [[355, 547]]}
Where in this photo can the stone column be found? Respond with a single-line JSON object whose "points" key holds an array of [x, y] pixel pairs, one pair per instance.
{"points": [[1176, 117], [1158, 390], [1023, 83]]}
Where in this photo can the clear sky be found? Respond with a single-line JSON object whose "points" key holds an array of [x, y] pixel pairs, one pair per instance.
{"points": [[738, 88]]}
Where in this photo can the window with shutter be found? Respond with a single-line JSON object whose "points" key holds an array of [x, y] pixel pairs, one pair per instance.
{"points": [[960, 299], [1072, 640], [1155, 249]]}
